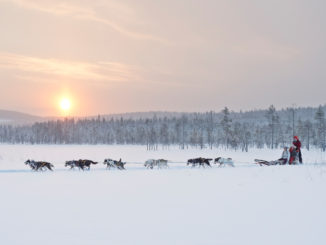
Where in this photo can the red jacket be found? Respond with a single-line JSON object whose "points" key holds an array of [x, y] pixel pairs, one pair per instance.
{"points": [[293, 155], [297, 144]]}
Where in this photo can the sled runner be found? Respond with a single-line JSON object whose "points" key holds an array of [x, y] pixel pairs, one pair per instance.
{"points": [[267, 163]]}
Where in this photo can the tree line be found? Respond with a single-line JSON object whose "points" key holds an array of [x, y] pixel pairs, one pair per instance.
{"points": [[234, 130]]}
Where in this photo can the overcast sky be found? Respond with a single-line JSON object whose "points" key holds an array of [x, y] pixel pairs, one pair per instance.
{"points": [[185, 55]]}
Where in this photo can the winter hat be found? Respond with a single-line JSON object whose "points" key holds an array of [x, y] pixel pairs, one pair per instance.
{"points": [[296, 137]]}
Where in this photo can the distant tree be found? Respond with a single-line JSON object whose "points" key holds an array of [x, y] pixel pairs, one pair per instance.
{"points": [[226, 126], [164, 135], [308, 129], [273, 121], [210, 129], [321, 127], [292, 116], [183, 131]]}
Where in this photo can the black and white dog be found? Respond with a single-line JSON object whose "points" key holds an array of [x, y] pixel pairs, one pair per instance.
{"points": [[39, 165], [73, 164], [160, 163], [200, 162], [81, 164], [224, 161], [114, 164]]}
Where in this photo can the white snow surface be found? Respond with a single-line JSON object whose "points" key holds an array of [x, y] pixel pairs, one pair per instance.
{"points": [[247, 204]]}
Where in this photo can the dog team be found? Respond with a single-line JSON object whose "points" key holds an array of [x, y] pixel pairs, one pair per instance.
{"points": [[291, 156]]}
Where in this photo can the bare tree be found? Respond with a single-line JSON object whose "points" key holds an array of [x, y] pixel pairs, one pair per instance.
{"points": [[273, 121], [226, 125], [320, 119]]}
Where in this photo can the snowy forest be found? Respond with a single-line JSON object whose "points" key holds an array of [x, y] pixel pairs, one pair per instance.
{"points": [[234, 130]]}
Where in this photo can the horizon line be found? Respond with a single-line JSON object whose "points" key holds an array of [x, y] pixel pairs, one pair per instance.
{"points": [[157, 111]]}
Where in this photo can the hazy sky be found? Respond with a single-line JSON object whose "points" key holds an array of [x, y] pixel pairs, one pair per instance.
{"points": [[176, 55]]}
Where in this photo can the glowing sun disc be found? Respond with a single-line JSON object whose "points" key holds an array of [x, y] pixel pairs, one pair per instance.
{"points": [[65, 104]]}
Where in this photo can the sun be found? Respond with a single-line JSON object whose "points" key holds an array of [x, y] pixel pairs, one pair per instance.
{"points": [[65, 104]]}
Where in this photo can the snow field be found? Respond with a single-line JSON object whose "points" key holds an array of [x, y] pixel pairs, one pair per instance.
{"points": [[247, 204]]}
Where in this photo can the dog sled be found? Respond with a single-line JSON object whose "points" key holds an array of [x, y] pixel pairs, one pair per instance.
{"points": [[269, 163]]}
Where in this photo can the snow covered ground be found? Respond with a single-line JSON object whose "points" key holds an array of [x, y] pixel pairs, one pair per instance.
{"points": [[247, 204]]}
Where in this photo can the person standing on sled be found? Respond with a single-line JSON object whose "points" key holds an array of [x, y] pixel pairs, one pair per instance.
{"points": [[293, 156], [285, 156], [297, 144]]}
